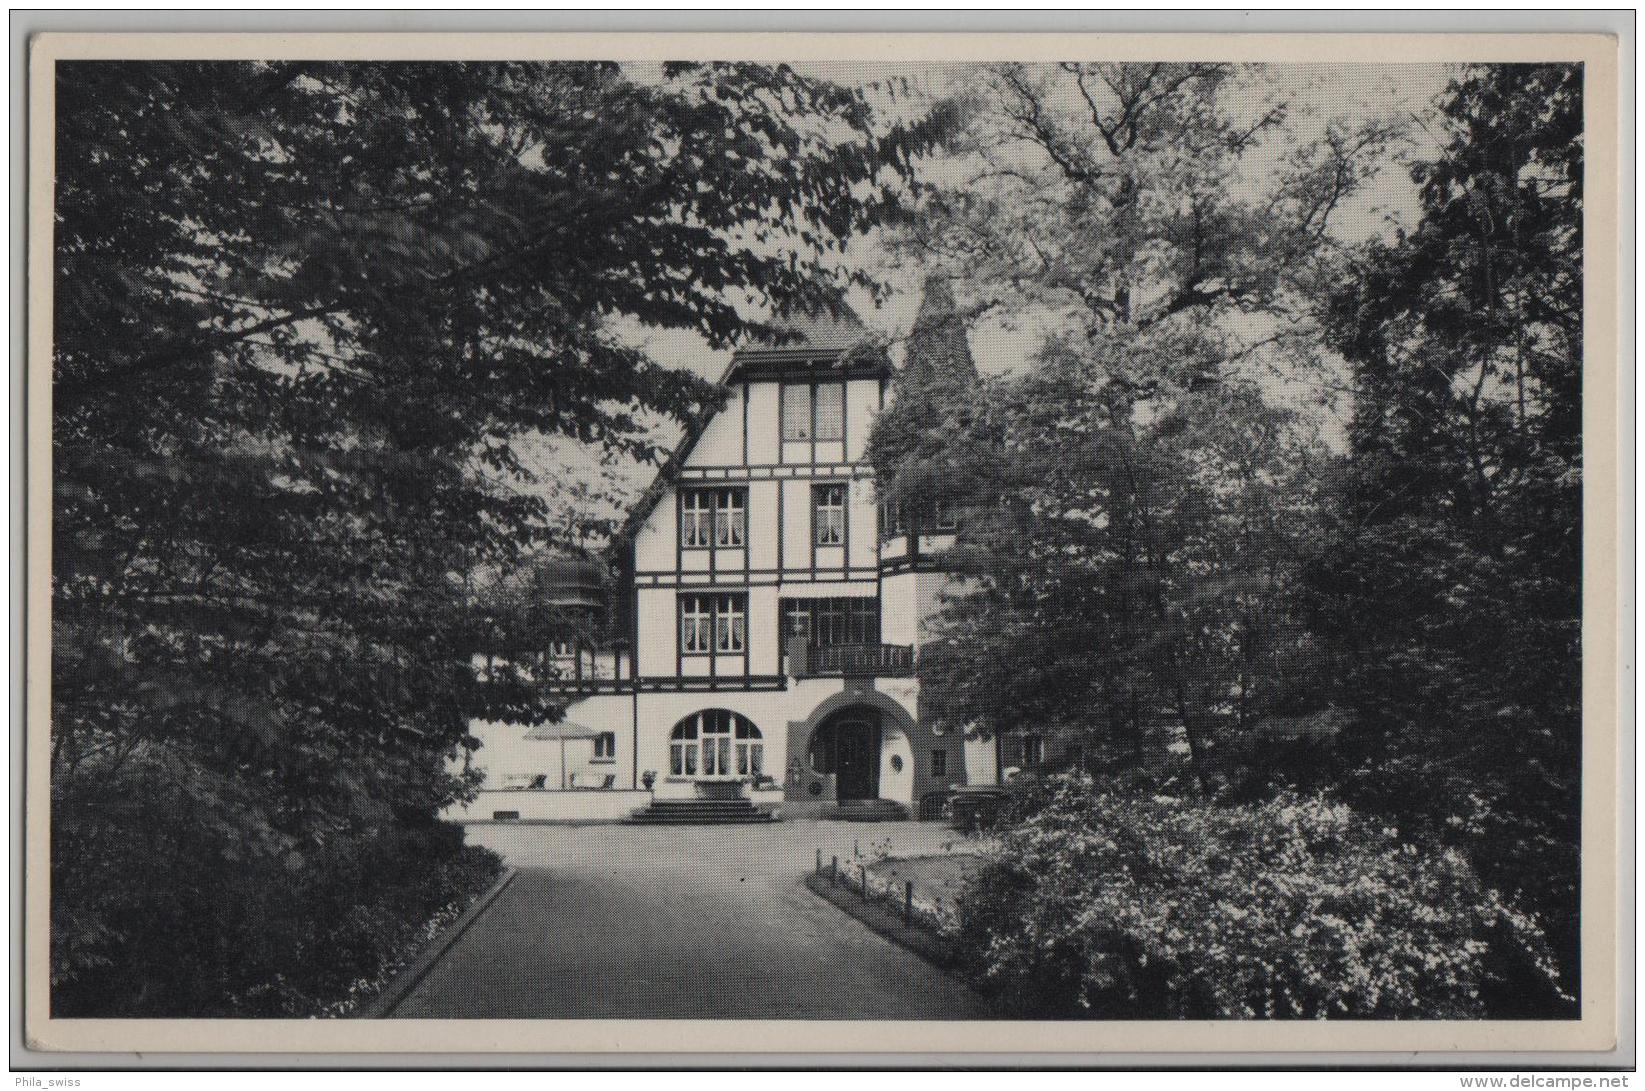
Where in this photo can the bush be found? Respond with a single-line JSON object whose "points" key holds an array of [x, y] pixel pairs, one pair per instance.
{"points": [[255, 935], [1109, 906]]}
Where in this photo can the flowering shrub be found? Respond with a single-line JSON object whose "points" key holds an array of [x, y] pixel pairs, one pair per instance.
{"points": [[1295, 907]]}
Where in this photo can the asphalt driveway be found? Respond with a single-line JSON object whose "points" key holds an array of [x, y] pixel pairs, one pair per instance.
{"points": [[686, 922]]}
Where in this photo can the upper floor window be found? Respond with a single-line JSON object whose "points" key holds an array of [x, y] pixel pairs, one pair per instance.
{"points": [[828, 513], [796, 412], [713, 623], [713, 517], [696, 623], [696, 518], [605, 747], [826, 622], [731, 624], [891, 524], [806, 418], [730, 518], [830, 411]]}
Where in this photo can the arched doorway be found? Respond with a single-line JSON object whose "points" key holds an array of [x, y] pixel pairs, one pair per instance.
{"points": [[846, 746]]}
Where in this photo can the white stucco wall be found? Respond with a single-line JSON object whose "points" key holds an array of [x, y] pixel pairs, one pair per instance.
{"points": [[506, 756], [551, 806], [764, 429], [655, 543], [658, 633], [721, 443], [796, 523], [862, 403], [896, 784]]}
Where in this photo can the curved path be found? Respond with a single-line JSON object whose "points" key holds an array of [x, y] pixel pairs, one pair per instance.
{"points": [[686, 922]]}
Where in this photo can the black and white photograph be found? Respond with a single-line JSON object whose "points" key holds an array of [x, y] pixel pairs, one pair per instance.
{"points": [[901, 540]]}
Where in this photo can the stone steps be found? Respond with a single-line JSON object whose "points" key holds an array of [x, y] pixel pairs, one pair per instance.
{"points": [[699, 812]]}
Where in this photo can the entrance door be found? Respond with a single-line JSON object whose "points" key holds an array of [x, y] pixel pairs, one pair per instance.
{"points": [[857, 761]]}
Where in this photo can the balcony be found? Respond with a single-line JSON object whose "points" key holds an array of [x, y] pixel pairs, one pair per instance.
{"points": [[849, 660]]}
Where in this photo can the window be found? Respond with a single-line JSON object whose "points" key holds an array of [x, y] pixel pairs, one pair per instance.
{"points": [[713, 517], [696, 515], [830, 411], [730, 519], [796, 412], [721, 743], [713, 623], [828, 513], [560, 649], [730, 624], [832, 621], [683, 748], [796, 619], [605, 747], [939, 763], [891, 525], [945, 520], [696, 614]]}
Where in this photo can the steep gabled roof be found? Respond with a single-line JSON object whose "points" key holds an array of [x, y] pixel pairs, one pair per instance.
{"points": [[835, 345], [810, 334]]}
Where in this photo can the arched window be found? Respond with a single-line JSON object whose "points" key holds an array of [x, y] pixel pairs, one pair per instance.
{"points": [[716, 743]]}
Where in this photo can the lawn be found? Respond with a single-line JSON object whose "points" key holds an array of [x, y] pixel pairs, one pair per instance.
{"points": [[939, 880]]}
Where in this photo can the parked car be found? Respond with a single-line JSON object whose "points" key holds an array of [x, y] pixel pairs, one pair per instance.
{"points": [[977, 807]]}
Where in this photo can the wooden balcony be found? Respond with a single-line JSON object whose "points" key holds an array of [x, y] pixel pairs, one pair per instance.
{"points": [[850, 660]]}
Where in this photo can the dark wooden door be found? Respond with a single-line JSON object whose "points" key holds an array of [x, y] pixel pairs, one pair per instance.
{"points": [[857, 761]]}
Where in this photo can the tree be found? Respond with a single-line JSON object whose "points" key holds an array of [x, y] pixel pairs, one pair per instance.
{"points": [[1450, 588], [302, 312], [1129, 582], [1136, 501]]}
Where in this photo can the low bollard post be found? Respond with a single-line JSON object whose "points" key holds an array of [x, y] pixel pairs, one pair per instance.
{"points": [[819, 861], [864, 888], [834, 870], [908, 902]]}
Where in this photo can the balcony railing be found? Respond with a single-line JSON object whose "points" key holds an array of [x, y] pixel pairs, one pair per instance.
{"points": [[850, 660]]}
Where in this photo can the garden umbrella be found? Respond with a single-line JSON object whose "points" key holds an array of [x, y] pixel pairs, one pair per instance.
{"points": [[563, 730]]}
